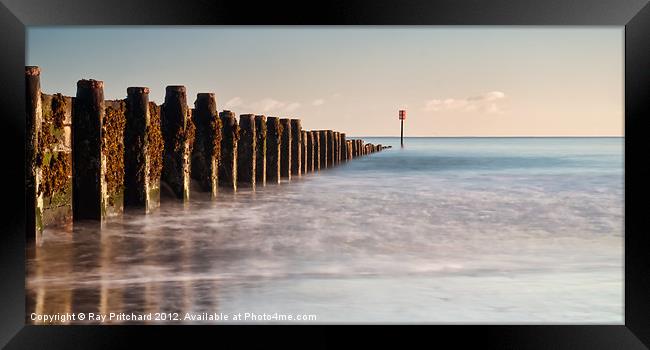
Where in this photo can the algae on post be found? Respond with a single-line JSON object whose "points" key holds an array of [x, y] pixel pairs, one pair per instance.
{"points": [[113, 148]]}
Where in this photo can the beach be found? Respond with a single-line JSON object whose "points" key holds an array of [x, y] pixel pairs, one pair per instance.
{"points": [[446, 230]]}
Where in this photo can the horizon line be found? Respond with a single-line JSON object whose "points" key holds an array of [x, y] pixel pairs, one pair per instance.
{"points": [[502, 137]]}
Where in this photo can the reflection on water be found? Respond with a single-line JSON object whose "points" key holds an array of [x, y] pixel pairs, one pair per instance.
{"points": [[442, 231]]}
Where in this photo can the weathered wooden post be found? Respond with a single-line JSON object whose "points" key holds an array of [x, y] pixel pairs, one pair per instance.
{"points": [[155, 148], [330, 148], [285, 157], [335, 148], [229, 140], [315, 136], [246, 151], [33, 199], [344, 148], [139, 191], [323, 143], [54, 158], [296, 142], [341, 147], [308, 142], [332, 144], [273, 149], [88, 162], [349, 148], [113, 149], [207, 143], [339, 156], [178, 135], [303, 149], [260, 158]]}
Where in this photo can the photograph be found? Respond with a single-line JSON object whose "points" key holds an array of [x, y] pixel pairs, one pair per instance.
{"points": [[263, 175]]}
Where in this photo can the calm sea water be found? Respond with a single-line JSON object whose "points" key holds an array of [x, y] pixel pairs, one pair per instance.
{"points": [[446, 230]]}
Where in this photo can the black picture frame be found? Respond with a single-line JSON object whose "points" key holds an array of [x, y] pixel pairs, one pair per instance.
{"points": [[15, 15]]}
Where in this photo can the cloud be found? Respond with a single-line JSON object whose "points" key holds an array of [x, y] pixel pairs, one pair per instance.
{"points": [[318, 102], [234, 102], [292, 107], [487, 103], [265, 105]]}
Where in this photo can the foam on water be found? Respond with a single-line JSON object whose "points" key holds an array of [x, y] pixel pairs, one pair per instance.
{"points": [[445, 230]]}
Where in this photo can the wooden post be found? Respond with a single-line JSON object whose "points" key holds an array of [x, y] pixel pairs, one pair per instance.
{"points": [[273, 149], [330, 148], [335, 154], [207, 145], [113, 149], [349, 148], [260, 158], [137, 160], [54, 158], [303, 149], [285, 158], [344, 148], [88, 162], [315, 136], [323, 143], [338, 148], [178, 135], [246, 151], [155, 149], [34, 118], [296, 142], [229, 140]]}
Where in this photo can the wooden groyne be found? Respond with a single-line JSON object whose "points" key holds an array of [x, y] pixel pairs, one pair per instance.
{"points": [[88, 158]]}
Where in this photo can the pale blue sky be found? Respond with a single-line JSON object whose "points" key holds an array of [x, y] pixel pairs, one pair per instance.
{"points": [[454, 81]]}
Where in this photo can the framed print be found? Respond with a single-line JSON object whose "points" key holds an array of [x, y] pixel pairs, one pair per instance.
{"points": [[464, 171]]}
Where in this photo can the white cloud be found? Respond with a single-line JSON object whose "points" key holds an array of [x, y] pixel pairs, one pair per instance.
{"points": [[234, 102], [318, 102], [487, 102], [265, 105], [292, 107]]}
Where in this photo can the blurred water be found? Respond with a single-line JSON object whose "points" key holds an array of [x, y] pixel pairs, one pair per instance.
{"points": [[446, 230]]}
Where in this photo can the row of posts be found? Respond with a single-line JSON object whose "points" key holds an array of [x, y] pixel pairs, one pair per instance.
{"points": [[199, 144]]}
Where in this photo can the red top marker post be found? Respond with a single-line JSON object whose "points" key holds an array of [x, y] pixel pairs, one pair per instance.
{"points": [[402, 117]]}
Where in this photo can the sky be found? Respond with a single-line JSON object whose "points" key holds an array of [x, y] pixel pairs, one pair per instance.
{"points": [[453, 81]]}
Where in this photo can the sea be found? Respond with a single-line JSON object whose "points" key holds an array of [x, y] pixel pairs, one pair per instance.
{"points": [[441, 231]]}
